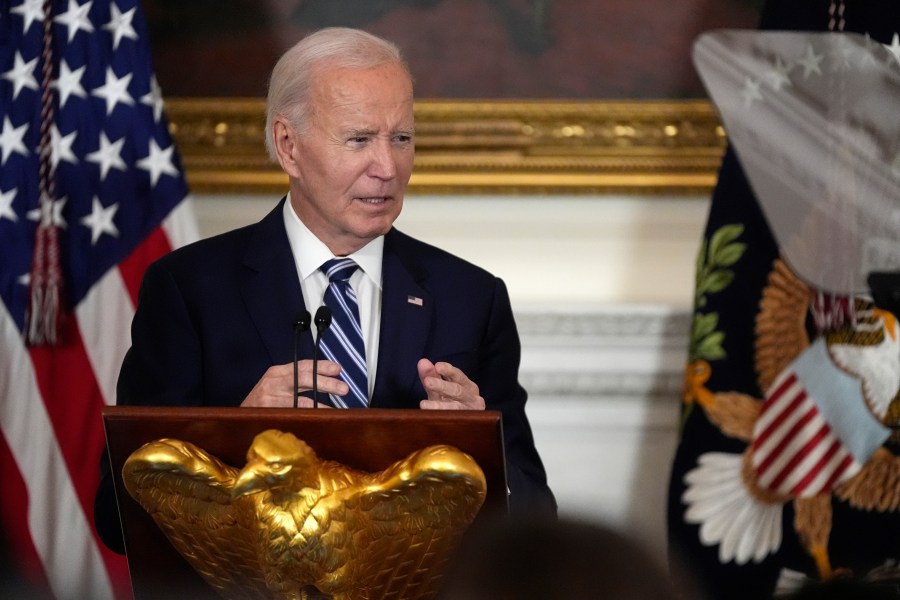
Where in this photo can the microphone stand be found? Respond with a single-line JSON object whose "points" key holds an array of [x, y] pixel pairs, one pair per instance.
{"points": [[322, 321], [300, 325]]}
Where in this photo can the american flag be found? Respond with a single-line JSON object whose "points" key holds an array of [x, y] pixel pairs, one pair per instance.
{"points": [[116, 200]]}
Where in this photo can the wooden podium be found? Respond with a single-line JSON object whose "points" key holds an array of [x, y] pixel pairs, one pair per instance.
{"points": [[369, 440]]}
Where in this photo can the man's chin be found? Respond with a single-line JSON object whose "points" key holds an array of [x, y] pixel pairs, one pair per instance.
{"points": [[378, 218], [371, 230]]}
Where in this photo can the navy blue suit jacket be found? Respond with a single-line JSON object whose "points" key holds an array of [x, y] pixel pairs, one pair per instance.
{"points": [[214, 315]]}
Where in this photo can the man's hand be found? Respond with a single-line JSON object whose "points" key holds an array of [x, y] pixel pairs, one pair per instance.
{"points": [[276, 385], [447, 387]]}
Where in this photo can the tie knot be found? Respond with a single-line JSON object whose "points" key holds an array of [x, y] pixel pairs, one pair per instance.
{"points": [[339, 269]]}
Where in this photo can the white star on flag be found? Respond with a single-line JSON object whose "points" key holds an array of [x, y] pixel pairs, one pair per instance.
{"points": [[750, 91], [894, 48], [22, 75], [61, 147], [777, 76], [154, 99], [69, 83], [31, 11], [810, 62], [158, 162], [76, 18], [11, 139], [108, 156], [6, 209], [100, 220], [120, 25], [114, 91]]}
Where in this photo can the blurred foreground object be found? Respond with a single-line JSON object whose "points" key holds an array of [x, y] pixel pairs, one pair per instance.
{"points": [[538, 559]]}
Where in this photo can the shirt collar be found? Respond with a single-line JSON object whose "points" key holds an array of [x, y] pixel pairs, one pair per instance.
{"points": [[310, 252]]}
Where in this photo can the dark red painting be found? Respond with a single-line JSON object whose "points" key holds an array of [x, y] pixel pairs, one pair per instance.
{"points": [[457, 49]]}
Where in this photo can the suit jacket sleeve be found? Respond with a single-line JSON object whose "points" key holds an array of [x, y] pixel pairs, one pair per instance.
{"points": [[498, 381], [153, 372], [162, 367]]}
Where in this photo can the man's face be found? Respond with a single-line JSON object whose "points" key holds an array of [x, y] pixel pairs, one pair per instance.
{"points": [[350, 168]]}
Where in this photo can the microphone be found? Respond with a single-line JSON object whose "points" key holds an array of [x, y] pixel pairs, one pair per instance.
{"points": [[322, 321], [300, 325]]}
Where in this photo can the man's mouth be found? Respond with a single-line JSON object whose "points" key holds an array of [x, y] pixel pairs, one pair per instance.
{"points": [[374, 200]]}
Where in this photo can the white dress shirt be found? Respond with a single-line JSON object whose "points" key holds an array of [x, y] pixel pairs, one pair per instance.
{"points": [[310, 253]]}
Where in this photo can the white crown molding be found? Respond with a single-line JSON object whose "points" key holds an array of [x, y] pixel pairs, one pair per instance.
{"points": [[635, 352], [593, 386], [605, 322]]}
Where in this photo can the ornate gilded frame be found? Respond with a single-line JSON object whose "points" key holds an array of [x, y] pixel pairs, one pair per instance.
{"points": [[486, 147]]}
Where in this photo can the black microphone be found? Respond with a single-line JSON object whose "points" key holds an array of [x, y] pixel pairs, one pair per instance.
{"points": [[300, 325], [322, 321]]}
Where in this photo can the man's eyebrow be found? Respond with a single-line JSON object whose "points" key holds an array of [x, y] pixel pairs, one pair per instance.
{"points": [[365, 131]]}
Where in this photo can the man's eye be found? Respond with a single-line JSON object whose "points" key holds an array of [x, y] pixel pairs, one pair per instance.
{"points": [[359, 139]]}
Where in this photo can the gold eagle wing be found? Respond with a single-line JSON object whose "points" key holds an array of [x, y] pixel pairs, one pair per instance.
{"points": [[187, 491], [390, 534]]}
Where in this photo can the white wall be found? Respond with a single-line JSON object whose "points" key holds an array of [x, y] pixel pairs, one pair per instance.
{"points": [[574, 250], [602, 288]]}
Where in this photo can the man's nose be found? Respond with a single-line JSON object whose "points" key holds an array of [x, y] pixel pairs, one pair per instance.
{"points": [[384, 163]]}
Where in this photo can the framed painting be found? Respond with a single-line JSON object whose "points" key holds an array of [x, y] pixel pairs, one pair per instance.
{"points": [[513, 96]]}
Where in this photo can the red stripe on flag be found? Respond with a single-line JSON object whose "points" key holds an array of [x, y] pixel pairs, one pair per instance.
{"points": [[770, 404], [24, 563], [801, 454], [73, 400], [838, 472], [785, 440], [156, 244], [779, 391], [816, 469]]}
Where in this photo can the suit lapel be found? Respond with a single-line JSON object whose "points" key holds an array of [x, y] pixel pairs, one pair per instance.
{"points": [[406, 313], [271, 289]]}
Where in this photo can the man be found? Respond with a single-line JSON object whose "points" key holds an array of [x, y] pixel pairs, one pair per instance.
{"points": [[214, 324]]}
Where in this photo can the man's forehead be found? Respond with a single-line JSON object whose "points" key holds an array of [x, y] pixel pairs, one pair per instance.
{"points": [[391, 76]]}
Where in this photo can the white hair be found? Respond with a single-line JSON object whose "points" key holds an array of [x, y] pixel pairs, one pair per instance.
{"points": [[333, 48]]}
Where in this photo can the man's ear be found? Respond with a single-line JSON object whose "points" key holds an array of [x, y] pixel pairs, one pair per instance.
{"points": [[285, 141]]}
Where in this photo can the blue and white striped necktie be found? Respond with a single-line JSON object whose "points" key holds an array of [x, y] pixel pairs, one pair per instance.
{"points": [[343, 342]]}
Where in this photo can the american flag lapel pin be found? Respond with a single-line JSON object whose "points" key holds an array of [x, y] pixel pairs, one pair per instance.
{"points": [[414, 300]]}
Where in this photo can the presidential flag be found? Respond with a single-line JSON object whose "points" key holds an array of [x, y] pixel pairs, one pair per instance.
{"points": [[785, 472], [91, 191]]}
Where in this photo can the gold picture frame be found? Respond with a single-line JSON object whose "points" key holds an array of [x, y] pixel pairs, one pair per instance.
{"points": [[485, 147]]}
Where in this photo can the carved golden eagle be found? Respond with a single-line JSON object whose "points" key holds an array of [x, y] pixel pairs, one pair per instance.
{"points": [[289, 525]]}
